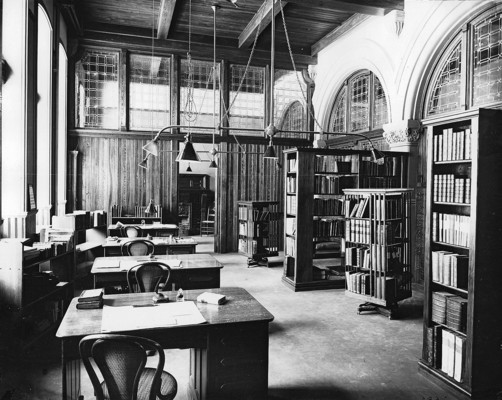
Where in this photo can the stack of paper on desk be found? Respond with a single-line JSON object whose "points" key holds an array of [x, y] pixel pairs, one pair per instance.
{"points": [[148, 316]]}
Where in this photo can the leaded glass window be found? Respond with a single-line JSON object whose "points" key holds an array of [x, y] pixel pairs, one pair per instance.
{"points": [[290, 92], [380, 113], [360, 105], [487, 70], [445, 95], [247, 99], [196, 94], [97, 90], [149, 96]]}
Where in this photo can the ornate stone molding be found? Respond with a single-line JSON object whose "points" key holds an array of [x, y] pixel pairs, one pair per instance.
{"points": [[401, 133], [396, 18]]}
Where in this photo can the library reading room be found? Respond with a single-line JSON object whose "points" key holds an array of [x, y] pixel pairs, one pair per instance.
{"points": [[250, 199]]}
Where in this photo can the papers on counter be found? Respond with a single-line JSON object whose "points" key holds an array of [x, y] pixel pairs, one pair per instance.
{"points": [[147, 316]]}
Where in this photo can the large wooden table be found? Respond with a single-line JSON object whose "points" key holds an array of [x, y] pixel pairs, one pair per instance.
{"points": [[229, 353], [152, 229], [197, 271], [163, 245]]}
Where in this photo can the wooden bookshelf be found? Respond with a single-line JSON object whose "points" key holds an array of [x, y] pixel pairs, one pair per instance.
{"points": [[378, 247], [258, 230], [314, 218], [462, 322]]}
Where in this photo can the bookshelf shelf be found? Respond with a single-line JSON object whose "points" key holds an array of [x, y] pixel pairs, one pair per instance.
{"points": [[258, 230], [462, 320], [316, 213]]}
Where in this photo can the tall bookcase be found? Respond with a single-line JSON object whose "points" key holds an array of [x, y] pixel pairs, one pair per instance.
{"points": [[378, 247], [258, 230], [462, 345], [314, 218]]}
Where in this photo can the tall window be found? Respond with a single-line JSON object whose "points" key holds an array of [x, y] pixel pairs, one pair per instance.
{"points": [[290, 111], [196, 94], [149, 92], [97, 90], [247, 99], [469, 80], [360, 105], [61, 134], [44, 116]]}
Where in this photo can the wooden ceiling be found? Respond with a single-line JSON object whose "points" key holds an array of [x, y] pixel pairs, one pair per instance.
{"points": [[311, 24]]}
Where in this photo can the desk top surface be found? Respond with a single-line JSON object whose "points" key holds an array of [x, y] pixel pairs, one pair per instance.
{"points": [[145, 226], [240, 307], [103, 265], [157, 241]]}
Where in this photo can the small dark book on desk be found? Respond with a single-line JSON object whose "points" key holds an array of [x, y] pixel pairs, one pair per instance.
{"points": [[89, 299]]}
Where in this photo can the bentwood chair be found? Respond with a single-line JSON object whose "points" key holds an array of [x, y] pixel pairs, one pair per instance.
{"points": [[132, 231], [147, 276], [139, 247], [121, 360]]}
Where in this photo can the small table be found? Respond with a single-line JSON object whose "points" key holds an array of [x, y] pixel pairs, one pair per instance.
{"points": [[150, 229], [228, 354], [197, 271], [163, 245]]}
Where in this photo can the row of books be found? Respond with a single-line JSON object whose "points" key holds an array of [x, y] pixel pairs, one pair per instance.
{"points": [[450, 269], [332, 184], [375, 257], [291, 165], [380, 287], [246, 213], [290, 226], [452, 145], [357, 208], [450, 310], [289, 247], [326, 227], [243, 228], [332, 164], [291, 205], [390, 167], [291, 184], [358, 231], [446, 351], [451, 228], [324, 273], [329, 206], [451, 189]]}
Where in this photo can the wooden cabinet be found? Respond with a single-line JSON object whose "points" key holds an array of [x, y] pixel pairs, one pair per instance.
{"points": [[35, 289], [193, 190], [378, 247], [314, 220], [463, 279], [258, 229]]}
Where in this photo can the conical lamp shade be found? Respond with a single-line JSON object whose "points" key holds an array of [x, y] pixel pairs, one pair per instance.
{"points": [[152, 147], [188, 153], [144, 163], [377, 156], [270, 152], [150, 209], [213, 164]]}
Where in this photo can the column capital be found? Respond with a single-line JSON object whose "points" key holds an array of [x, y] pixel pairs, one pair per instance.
{"points": [[402, 134]]}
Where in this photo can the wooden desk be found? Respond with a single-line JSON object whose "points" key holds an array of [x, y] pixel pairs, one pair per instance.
{"points": [[199, 270], [228, 356], [135, 220], [151, 229], [162, 246]]}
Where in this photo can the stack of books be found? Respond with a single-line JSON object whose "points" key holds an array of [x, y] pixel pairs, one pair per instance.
{"points": [[90, 299], [456, 313], [439, 306]]}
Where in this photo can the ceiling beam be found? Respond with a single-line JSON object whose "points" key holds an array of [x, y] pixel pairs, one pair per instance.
{"points": [[260, 20], [375, 8], [165, 18]]}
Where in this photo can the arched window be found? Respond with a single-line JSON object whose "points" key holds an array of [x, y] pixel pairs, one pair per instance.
{"points": [[293, 118], [360, 105], [463, 80]]}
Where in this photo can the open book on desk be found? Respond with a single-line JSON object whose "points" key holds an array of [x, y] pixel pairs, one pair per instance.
{"points": [[150, 316]]}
